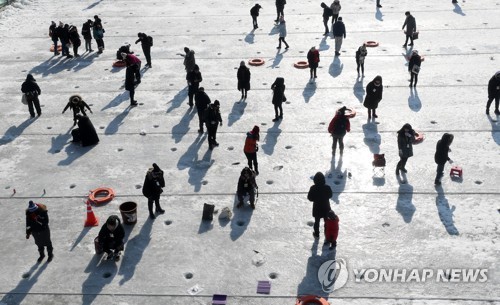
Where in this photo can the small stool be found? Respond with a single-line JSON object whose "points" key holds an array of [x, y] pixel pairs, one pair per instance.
{"points": [[219, 299], [456, 171], [264, 287]]}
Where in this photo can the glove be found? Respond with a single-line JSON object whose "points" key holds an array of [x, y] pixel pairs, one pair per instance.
{"points": [[27, 236]]}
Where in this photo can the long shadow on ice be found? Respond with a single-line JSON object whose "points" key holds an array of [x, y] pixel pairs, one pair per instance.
{"points": [[414, 101], [134, 250], [80, 237], [92, 5], [277, 59], [241, 219], [458, 9], [372, 138], [336, 67], [59, 142], [323, 46], [113, 126], [177, 100], [236, 112], [404, 205], [120, 98], [445, 212], [249, 38], [309, 91], [336, 178], [358, 89], [101, 273], [17, 295], [182, 128], [495, 130], [73, 152], [271, 138], [199, 169], [15, 131], [378, 15], [310, 284], [52, 65]]}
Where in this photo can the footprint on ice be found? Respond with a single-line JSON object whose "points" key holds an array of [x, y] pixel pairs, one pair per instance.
{"points": [[277, 168]]}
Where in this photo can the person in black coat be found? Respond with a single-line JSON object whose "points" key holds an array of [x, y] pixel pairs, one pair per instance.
{"points": [[32, 91], [327, 12], [278, 88], [254, 12], [75, 40], [87, 34], [374, 91], [246, 186], [213, 119], [53, 36], [320, 194], [146, 43], [111, 237], [201, 101], [411, 27], [152, 189], [493, 93], [441, 155], [65, 41], [414, 67], [194, 79], [85, 133], [243, 76], [77, 104], [339, 33], [280, 7], [130, 84], [406, 137], [37, 225]]}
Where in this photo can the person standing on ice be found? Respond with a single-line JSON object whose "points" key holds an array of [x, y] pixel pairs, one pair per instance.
{"points": [[414, 67], [280, 8], [338, 30], [189, 59], [146, 44], [493, 93], [327, 12], [77, 104], [152, 189], [31, 89], [252, 147], [65, 41], [360, 59], [278, 88], [411, 27], [75, 40], [243, 76], [335, 7], [246, 186], [320, 194], [201, 101], [313, 61], [254, 12], [111, 238], [282, 34], [130, 84], [441, 155], [193, 79], [53, 36], [331, 229], [213, 119], [87, 35], [338, 128], [373, 96], [98, 31], [406, 137], [37, 225]]}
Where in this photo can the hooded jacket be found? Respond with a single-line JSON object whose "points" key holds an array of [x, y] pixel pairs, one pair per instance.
{"points": [[373, 93], [320, 194], [189, 60], [38, 220], [152, 186], [442, 149], [340, 124], [278, 91], [494, 86], [251, 141], [107, 237], [78, 106], [338, 29], [30, 87], [254, 11], [405, 142], [327, 12]]}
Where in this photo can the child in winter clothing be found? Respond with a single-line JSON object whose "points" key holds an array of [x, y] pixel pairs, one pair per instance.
{"points": [[247, 186], [251, 147], [338, 128], [77, 104], [111, 237], [313, 61], [441, 155], [331, 229], [37, 224]]}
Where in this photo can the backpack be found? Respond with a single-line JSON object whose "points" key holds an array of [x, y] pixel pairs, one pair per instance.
{"points": [[150, 39]]}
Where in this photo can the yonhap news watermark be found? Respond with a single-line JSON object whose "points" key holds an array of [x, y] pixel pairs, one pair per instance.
{"points": [[402, 275]]}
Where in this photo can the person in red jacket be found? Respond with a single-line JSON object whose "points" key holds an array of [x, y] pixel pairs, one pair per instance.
{"points": [[338, 127], [313, 60], [332, 229], [251, 147]]}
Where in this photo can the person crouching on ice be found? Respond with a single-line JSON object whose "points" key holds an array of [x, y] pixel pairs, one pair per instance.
{"points": [[111, 237], [247, 186]]}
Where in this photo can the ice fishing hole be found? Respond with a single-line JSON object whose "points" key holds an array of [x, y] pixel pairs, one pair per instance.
{"points": [[273, 275], [101, 127], [138, 186], [216, 84], [120, 149], [188, 275], [25, 275], [459, 80], [204, 182], [168, 222], [433, 122], [106, 275], [7, 187], [240, 223], [263, 124], [230, 148], [72, 186], [277, 168], [269, 181], [322, 123], [57, 151], [288, 146], [385, 224], [49, 127], [156, 126], [478, 182], [236, 163], [310, 223], [173, 149], [287, 102]]}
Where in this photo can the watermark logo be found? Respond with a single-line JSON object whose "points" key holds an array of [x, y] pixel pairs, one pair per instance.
{"points": [[333, 275], [421, 275]]}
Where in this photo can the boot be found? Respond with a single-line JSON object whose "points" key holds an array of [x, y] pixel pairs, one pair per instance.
{"points": [[42, 256], [159, 210], [49, 259]]}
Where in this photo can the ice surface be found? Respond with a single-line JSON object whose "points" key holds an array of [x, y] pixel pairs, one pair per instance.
{"points": [[179, 259]]}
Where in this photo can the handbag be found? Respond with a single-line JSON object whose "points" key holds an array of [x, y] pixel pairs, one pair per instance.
{"points": [[415, 35], [24, 99]]}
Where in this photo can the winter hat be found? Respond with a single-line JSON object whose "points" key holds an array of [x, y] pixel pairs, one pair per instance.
{"points": [[124, 55], [156, 168], [497, 75], [415, 52], [32, 207], [112, 220], [407, 13], [186, 49], [242, 63], [342, 110], [255, 129], [216, 103], [331, 214], [96, 17], [30, 77], [340, 19]]}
